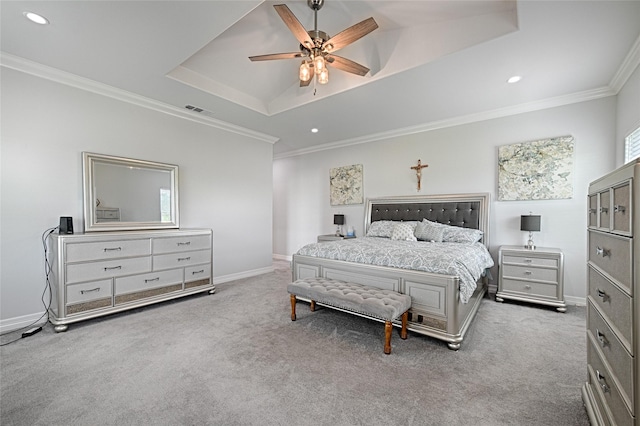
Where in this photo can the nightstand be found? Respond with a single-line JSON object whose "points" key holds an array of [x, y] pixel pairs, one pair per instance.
{"points": [[332, 237], [535, 276]]}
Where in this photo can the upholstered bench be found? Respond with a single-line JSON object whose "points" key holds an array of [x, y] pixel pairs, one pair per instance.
{"points": [[361, 300]]}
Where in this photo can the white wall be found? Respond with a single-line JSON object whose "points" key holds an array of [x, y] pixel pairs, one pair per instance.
{"points": [[45, 128], [461, 159], [628, 112]]}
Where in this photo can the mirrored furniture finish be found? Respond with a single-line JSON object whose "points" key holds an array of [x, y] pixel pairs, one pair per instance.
{"points": [[534, 276], [610, 394], [122, 194], [96, 274]]}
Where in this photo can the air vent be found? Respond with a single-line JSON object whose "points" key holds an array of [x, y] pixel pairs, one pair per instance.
{"points": [[194, 108]]}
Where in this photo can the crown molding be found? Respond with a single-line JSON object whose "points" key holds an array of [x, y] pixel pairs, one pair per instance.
{"points": [[29, 67], [628, 66], [588, 95]]}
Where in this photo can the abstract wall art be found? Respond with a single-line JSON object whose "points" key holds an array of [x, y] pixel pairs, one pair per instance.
{"points": [[345, 185]]}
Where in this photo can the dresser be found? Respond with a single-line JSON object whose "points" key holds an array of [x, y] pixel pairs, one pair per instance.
{"points": [[100, 273], [610, 394], [535, 276]]}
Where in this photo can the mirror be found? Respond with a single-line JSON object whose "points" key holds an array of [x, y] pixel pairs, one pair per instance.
{"points": [[126, 194]]}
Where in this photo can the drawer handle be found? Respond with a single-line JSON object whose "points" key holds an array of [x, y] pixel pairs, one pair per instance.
{"points": [[528, 287], [527, 272], [528, 260], [602, 294], [112, 249], [90, 291], [110, 268], [619, 209], [604, 209], [152, 279], [603, 381], [602, 252], [197, 272], [180, 259], [185, 243], [601, 338], [592, 210]]}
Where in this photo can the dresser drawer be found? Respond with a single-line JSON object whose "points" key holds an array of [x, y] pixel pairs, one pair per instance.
{"points": [[175, 260], [84, 292], [614, 304], [604, 210], [622, 209], [615, 354], [529, 288], [612, 254], [147, 281], [593, 211], [102, 250], [195, 276], [530, 273], [181, 244], [601, 377], [93, 271]]}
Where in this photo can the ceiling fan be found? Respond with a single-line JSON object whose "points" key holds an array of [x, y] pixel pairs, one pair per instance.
{"points": [[317, 48]]}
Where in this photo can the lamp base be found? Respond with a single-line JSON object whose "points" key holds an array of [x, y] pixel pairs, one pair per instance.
{"points": [[530, 247]]}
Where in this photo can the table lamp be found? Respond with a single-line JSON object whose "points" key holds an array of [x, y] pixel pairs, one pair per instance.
{"points": [[530, 223], [338, 219]]}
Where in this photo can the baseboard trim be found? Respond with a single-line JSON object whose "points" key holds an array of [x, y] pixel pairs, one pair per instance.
{"points": [[12, 324], [282, 257], [241, 275]]}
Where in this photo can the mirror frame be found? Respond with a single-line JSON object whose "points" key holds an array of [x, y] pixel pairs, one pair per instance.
{"points": [[89, 196]]}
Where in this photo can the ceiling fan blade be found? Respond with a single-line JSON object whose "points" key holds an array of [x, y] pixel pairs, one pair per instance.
{"points": [[351, 34], [294, 25], [273, 56], [347, 65], [306, 83]]}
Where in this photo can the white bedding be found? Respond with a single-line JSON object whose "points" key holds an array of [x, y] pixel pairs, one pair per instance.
{"points": [[466, 261]]}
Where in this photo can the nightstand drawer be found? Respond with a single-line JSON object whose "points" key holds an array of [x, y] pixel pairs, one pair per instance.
{"points": [[613, 303], [612, 254], [529, 288], [530, 261], [529, 273]]}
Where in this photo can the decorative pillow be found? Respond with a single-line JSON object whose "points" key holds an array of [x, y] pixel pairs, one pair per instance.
{"points": [[427, 231], [381, 228], [403, 232], [456, 234]]}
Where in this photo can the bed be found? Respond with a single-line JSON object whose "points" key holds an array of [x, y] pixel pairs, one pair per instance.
{"points": [[444, 299]]}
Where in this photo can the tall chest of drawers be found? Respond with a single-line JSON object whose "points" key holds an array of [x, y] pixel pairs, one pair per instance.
{"points": [[97, 274], [613, 308]]}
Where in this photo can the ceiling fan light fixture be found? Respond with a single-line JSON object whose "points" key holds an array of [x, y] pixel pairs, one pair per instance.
{"points": [[323, 76], [318, 62], [305, 74]]}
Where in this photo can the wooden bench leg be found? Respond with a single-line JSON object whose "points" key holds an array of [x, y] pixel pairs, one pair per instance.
{"points": [[388, 328], [293, 307], [403, 330], [313, 306]]}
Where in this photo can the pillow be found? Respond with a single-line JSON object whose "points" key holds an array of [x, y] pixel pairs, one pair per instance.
{"points": [[381, 228], [427, 231], [403, 232], [456, 234]]}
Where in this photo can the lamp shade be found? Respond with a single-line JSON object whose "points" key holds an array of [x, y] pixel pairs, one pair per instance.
{"points": [[530, 223], [338, 219]]}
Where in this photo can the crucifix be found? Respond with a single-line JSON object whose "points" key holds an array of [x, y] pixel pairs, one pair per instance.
{"points": [[418, 168]]}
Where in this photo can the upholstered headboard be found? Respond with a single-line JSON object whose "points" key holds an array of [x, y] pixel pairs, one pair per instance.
{"points": [[465, 210]]}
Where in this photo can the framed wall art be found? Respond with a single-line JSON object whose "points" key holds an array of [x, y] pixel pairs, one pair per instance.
{"points": [[345, 185], [536, 170]]}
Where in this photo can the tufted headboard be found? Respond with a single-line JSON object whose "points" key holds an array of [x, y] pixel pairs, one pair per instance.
{"points": [[465, 210]]}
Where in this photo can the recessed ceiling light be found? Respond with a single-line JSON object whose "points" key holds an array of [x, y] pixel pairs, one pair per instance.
{"points": [[34, 17], [314, 130], [514, 79]]}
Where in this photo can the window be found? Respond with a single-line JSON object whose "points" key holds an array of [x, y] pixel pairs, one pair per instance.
{"points": [[165, 205], [632, 146]]}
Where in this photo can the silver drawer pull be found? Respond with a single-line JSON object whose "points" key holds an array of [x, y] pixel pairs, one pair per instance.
{"points": [[197, 272], [527, 272], [152, 279], [604, 209], [592, 210], [528, 260], [90, 291], [603, 381], [602, 294], [180, 259], [602, 252], [601, 338], [528, 287], [112, 249], [112, 268], [619, 209], [186, 243]]}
